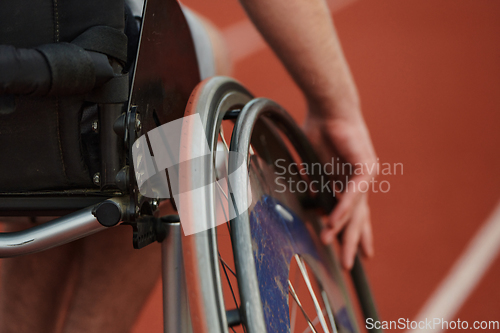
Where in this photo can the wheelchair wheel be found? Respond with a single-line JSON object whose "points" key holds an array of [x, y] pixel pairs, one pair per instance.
{"points": [[274, 258], [288, 280], [213, 100]]}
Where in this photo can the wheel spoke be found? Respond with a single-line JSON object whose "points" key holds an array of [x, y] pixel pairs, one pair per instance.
{"points": [[223, 193], [229, 281], [329, 311], [296, 298], [222, 190], [221, 131], [305, 275], [227, 266], [228, 228], [314, 322], [221, 134]]}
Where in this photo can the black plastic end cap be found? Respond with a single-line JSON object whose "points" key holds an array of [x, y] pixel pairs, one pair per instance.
{"points": [[108, 213]]}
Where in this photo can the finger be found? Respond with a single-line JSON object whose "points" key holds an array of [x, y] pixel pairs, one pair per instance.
{"points": [[351, 237], [350, 198], [367, 237], [335, 227], [329, 233]]}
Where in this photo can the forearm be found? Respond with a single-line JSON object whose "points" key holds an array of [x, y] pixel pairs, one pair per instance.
{"points": [[302, 34]]}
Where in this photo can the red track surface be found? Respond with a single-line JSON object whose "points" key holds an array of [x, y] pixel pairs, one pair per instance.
{"points": [[428, 72]]}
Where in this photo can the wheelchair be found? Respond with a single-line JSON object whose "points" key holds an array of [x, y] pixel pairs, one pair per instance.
{"points": [[280, 276]]}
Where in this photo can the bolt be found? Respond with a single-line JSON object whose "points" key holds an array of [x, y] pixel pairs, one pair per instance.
{"points": [[138, 125], [95, 125], [97, 178], [154, 204]]}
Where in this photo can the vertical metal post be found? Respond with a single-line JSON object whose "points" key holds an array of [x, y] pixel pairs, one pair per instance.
{"points": [[176, 317], [111, 145]]}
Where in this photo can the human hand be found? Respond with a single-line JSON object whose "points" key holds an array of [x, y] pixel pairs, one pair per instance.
{"points": [[348, 140]]}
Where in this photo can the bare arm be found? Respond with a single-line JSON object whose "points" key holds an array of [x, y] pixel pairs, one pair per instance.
{"points": [[302, 34]]}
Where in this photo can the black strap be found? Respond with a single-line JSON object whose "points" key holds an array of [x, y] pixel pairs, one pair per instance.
{"points": [[113, 43], [104, 39], [115, 90], [77, 68], [72, 68]]}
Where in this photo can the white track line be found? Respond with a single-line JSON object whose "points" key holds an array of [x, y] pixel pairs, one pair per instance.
{"points": [[243, 40], [465, 274]]}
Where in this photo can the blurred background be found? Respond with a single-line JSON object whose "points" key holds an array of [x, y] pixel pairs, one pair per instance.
{"points": [[428, 72]]}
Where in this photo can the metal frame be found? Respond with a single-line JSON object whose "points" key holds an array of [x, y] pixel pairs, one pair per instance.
{"points": [[57, 232], [48, 204], [175, 305]]}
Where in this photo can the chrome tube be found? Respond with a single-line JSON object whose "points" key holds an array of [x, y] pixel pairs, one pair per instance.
{"points": [[51, 234], [175, 306]]}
